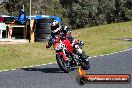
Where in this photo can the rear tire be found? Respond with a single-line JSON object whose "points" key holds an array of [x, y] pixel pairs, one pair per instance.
{"points": [[85, 62], [43, 31], [44, 26], [46, 20], [43, 36], [41, 40], [85, 65], [61, 64]]}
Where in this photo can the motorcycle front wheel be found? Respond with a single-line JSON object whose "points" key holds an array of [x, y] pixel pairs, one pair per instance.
{"points": [[64, 65]]}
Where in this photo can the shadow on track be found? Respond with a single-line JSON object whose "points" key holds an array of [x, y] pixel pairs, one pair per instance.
{"points": [[46, 70]]}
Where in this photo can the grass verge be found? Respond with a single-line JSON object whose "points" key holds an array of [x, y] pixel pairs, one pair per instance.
{"points": [[98, 40]]}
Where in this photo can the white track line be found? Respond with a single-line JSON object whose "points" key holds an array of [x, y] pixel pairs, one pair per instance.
{"points": [[56, 62], [111, 53], [94, 56], [116, 52], [107, 54], [89, 57], [101, 55]]}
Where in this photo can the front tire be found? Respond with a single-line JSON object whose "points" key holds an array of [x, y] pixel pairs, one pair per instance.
{"points": [[62, 63]]}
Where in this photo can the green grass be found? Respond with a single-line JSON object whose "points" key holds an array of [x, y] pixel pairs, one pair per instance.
{"points": [[98, 40]]}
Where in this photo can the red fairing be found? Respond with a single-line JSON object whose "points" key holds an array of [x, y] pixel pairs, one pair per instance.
{"points": [[68, 45], [66, 42], [55, 45]]}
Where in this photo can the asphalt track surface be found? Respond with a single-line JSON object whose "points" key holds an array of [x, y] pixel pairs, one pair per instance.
{"points": [[50, 76]]}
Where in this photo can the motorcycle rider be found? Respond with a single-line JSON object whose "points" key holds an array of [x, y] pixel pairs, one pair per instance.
{"points": [[76, 46], [57, 28]]}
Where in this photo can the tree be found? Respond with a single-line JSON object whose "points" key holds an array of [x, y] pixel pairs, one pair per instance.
{"points": [[77, 13]]}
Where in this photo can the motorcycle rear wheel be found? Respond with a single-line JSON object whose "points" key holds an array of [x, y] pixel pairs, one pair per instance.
{"points": [[85, 64], [62, 63]]}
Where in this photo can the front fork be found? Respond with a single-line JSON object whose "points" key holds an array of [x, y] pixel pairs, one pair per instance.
{"points": [[63, 53]]}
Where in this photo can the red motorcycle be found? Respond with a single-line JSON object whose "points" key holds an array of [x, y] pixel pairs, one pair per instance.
{"points": [[67, 56]]}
